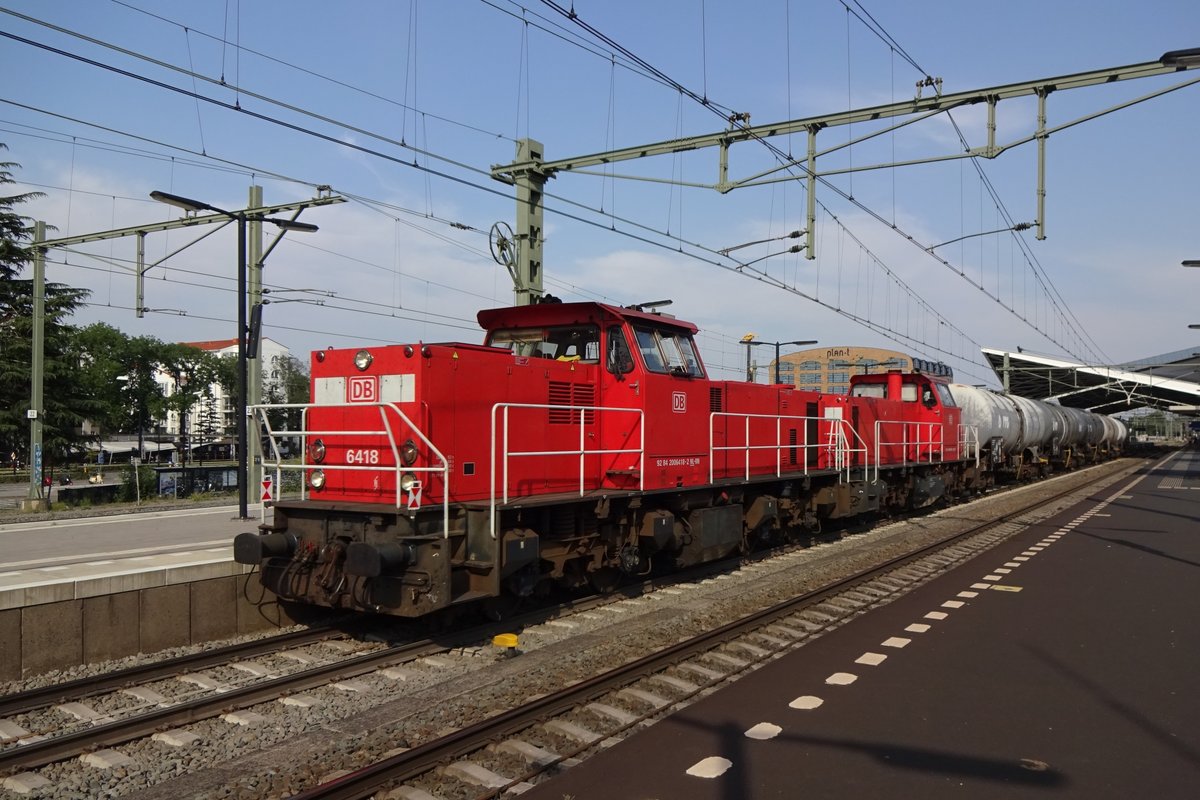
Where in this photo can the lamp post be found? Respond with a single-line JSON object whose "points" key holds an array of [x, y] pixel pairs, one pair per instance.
{"points": [[1191, 263], [241, 218], [750, 342]]}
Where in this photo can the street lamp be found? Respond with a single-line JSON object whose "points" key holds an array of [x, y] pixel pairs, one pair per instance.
{"points": [[241, 217], [750, 341], [1190, 262]]}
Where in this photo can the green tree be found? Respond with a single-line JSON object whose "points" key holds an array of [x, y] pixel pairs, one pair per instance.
{"points": [[102, 353], [67, 402], [15, 230], [142, 396], [194, 371]]}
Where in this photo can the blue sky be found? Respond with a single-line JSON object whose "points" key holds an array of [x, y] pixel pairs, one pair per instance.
{"points": [[460, 80]]}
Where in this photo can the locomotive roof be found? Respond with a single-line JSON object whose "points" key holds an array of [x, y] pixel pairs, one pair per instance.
{"points": [[572, 314], [881, 377]]}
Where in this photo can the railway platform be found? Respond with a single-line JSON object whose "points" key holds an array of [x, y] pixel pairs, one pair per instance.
{"points": [[76, 591], [1059, 664]]}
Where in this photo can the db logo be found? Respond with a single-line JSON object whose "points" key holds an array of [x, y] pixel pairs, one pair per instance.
{"points": [[362, 389], [679, 403]]}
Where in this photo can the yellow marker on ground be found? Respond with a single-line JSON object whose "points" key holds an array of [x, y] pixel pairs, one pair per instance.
{"points": [[506, 640]]}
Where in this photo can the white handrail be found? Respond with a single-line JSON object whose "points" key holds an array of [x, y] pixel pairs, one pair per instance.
{"points": [[259, 412], [968, 442], [933, 443], [506, 453], [838, 444]]}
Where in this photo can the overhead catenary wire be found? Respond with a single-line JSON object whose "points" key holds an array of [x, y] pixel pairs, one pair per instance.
{"points": [[680, 248], [576, 217], [704, 101], [789, 163], [1031, 259], [313, 114], [402, 104]]}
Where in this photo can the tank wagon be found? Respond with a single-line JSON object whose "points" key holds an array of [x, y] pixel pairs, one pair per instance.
{"points": [[582, 443], [1030, 437]]}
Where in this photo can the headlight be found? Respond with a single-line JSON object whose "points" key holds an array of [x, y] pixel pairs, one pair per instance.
{"points": [[408, 453], [407, 480], [316, 479], [316, 451], [363, 359]]}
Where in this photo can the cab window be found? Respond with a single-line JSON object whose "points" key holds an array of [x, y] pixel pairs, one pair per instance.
{"points": [[620, 360], [668, 351], [878, 390], [563, 343], [944, 395]]}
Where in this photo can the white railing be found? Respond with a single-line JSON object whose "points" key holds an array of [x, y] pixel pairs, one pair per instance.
{"points": [[501, 413], [838, 444], [968, 443], [926, 438], [259, 413]]}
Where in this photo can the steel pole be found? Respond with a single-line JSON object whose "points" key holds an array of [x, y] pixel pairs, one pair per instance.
{"points": [[36, 410], [254, 259], [240, 405]]}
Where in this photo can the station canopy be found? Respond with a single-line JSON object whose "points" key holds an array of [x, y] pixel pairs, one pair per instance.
{"points": [[1169, 382]]}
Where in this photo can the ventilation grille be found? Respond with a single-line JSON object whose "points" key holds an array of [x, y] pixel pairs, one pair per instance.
{"points": [[716, 399], [577, 395]]}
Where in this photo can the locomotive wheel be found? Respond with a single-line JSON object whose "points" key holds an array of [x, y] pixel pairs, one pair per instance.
{"points": [[605, 579]]}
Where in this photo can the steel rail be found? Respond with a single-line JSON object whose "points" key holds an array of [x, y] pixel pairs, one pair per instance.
{"points": [[39, 753], [81, 688]]}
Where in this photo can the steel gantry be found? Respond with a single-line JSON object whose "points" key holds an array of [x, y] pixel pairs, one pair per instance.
{"points": [[253, 217], [529, 172]]}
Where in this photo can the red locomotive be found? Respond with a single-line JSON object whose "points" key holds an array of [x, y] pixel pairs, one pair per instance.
{"points": [[580, 443]]}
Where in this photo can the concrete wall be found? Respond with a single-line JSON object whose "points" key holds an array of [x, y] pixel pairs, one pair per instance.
{"points": [[81, 622]]}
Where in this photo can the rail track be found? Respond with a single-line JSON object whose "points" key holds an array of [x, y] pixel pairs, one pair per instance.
{"points": [[38, 748], [83, 688]]}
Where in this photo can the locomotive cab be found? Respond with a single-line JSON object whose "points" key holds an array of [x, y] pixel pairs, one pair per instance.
{"points": [[911, 419]]}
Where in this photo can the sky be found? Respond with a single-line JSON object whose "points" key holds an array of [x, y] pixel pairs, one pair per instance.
{"points": [[403, 106]]}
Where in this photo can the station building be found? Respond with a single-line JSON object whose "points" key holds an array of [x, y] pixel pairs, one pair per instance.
{"points": [[216, 404], [828, 369]]}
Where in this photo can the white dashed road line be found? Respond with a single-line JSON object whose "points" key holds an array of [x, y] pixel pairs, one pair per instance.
{"points": [[806, 703], [764, 730]]}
